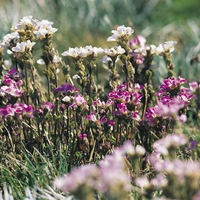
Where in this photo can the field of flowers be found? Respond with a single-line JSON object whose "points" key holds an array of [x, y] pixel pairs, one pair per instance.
{"points": [[114, 135]]}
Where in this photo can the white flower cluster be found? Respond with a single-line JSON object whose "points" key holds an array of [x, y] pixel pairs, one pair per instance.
{"points": [[120, 33], [22, 46], [40, 29], [83, 52]]}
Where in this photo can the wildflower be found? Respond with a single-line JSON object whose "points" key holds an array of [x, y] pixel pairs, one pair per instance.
{"points": [[79, 100], [193, 86], [14, 74], [24, 22], [23, 109], [193, 144], [76, 76], [169, 141], [139, 150], [91, 117], [56, 59], [121, 109], [10, 37], [43, 28], [22, 46], [72, 52], [137, 42], [142, 182], [122, 32], [159, 181], [7, 111], [66, 88], [136, 116], [166, 47], [40, 62], [48, 106], [114, 51], [122, 96], [66, 99], [12, 88], [78, 178], [88, 51]]}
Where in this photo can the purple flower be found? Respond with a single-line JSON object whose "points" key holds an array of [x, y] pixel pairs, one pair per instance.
{"points": [[12, 88], [121, 109], [7, 111], [122, 96], [193, 144], [169, 141], [14, 74], [48, 106], [91, 117], [79, 100], [102, 120], [26, 110], [137, 42], [16, 110], [170, 86], [111, 122], [66, 88], [136, 116], [82, 136]]}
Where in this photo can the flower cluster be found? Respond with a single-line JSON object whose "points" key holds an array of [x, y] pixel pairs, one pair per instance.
{"points": [[18, 109], [110, 178]]}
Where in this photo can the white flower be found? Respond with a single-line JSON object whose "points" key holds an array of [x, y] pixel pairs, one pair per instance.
{"points": [[140, 150], [114, 51], [56, 59], [121, 32], [72, 52], [142, 182], [40, 62], [27, 20], [166, 47], [76, 76], [66, 99], [44, 27], [7, 38], [97, 51], [20, 47], [169, 46]]}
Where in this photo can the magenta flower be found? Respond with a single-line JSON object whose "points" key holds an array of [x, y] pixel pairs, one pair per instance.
{"points": [[137, 42], [170, 86], [7, 111], [82, 136], [12, 88], [79, 100], [91, 117], [66, 88], [135, 116], [122, 96], [14, 74], [23, 109], [48, 106], [121, 109], [16, 110]]}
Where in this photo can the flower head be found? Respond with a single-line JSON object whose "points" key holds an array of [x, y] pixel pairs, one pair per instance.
{"points": [[114, 51], [43, 28], [121, 33], [66, 88], [22, 46]]}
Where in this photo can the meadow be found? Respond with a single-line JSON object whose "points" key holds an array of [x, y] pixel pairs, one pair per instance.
{"points": [[99, 100]]}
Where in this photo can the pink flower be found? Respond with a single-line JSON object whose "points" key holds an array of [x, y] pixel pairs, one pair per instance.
{"points": [[79, 100]]}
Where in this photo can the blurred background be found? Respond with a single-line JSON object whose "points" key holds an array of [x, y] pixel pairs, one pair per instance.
{"points": [[89, 22]]}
